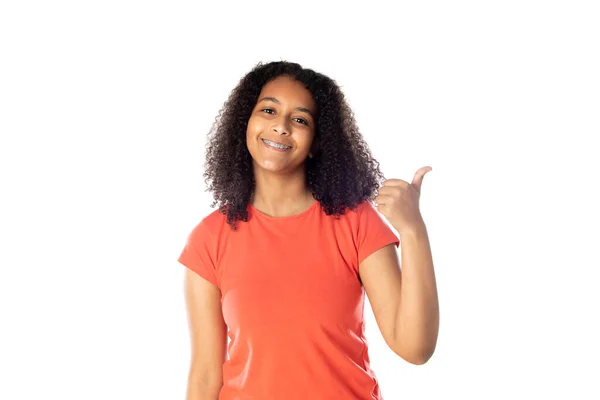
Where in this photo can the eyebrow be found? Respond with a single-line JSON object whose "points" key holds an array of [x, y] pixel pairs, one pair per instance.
{"points": [[274, 100]]}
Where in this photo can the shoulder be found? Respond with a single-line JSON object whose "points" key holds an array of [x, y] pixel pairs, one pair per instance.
{"points": [[360, 210], [209, 227], [365, 207], [214, 219], [355, 217], [366, 220]]}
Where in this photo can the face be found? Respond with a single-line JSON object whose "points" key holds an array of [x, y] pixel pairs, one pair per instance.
{"points": [[281, 127]]}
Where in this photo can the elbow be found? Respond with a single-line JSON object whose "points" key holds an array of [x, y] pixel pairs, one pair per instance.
{"points": [[418, 359], [415, 355], [421, 360], [200, 389], [205, 381], [416, 348]]}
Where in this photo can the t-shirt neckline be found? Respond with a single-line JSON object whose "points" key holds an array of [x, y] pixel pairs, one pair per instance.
{"points": [[258, 213]]}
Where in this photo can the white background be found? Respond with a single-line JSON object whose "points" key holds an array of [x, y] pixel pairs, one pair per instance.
{"points": [[104, 110]]}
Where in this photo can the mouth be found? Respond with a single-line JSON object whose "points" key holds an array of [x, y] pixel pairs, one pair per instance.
{"points": [[276, 146]]}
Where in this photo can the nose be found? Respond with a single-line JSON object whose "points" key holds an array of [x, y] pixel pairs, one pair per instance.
{"points": [[280, 126]]}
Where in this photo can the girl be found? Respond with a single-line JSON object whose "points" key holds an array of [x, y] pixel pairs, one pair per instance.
{"points": [[283, 264]]}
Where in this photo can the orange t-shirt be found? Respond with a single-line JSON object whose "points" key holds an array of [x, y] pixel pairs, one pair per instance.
{"points": [[292, 301]]}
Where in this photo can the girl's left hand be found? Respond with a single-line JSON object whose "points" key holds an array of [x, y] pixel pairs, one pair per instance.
{"points": [[398, 201]]}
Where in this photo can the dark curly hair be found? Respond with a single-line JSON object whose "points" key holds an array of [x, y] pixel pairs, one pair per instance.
{"points": [[342, 172]]}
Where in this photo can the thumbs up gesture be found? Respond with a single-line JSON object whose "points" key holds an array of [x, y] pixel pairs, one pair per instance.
{"points": [[398, 201]]}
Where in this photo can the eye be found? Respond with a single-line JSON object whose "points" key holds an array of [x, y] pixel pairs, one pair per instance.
{"points": [[301, 121], [271, 111]]}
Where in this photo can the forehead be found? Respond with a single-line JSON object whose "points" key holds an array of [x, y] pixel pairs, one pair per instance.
{"points": [[290, 91]]}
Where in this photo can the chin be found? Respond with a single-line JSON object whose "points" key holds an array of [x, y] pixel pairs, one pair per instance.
{"points": [[276, 167], [273, 167]]}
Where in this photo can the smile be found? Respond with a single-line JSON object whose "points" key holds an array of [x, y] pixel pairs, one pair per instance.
{"points": [[276, 146]]}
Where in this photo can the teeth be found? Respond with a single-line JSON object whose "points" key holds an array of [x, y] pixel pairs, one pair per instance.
{"points": [[277, 145]]}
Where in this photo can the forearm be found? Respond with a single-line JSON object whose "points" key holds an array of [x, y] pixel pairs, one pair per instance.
{"points": [[417, 323]]}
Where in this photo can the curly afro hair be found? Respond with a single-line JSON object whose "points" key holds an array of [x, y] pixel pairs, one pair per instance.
{"points": [[342, 172]]}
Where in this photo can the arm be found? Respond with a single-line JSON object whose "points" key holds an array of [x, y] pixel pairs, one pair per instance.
{"points": [[208, 337], [404, 301]]}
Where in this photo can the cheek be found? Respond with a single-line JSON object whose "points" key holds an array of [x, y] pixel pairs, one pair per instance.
{"points": [[253, 128]]}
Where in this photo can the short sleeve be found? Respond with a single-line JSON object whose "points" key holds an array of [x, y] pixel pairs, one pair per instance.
{"points": [[373, 232], [199, 253]]}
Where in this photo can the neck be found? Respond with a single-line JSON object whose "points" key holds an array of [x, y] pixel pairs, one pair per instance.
{"points": [[281, 195]]}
